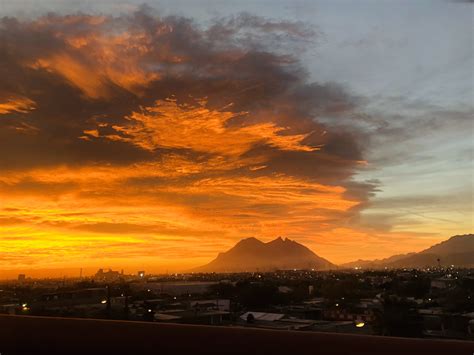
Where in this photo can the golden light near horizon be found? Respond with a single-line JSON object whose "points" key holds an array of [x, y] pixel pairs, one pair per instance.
{"points": [[145, 142]]}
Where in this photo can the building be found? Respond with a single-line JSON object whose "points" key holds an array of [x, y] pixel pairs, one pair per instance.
{"points": [[213, 304], [107, 276], [276, 321], [439, 323], [442, 283], [173, 288]]}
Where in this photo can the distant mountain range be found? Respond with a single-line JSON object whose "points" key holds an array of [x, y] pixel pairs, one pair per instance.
{"points": [[457, 250], [252, 254]]}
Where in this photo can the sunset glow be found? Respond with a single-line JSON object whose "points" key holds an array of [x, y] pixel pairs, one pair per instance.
{"points": [[141, 141]]}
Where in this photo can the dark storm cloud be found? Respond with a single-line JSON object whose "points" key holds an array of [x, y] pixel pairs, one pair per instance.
{"points": [[219, 62]]}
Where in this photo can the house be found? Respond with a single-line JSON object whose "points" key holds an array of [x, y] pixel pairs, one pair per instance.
{"points": [[276, 321]]}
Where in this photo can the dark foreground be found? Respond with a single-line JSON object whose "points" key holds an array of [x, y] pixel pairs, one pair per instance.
{"points": [[40, 335]]}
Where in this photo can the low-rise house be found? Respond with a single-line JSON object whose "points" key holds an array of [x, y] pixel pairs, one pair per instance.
{"points": [[274, 321]]}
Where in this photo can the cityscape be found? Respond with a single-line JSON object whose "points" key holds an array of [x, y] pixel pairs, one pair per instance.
{"points": [[431, 302], [236, 177]]}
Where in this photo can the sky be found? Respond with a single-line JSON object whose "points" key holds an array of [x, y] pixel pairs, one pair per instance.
{"points": [[154, 136]]}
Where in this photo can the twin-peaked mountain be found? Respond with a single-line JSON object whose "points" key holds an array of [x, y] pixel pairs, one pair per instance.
{"points": [[252, 254]]}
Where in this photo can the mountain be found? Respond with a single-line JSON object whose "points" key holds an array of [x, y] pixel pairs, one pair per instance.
{"points": [[374, 264], [457, 250], [252, 254]]}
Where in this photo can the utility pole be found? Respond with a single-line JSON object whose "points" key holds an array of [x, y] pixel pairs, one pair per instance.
{"points": [[126, 306], [107, 303]]}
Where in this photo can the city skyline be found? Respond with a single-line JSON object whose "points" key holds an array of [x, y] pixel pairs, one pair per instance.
{"points": [[152, 137]]}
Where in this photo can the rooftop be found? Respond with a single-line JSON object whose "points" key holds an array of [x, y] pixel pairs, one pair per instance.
{"points": [[38, 335]]}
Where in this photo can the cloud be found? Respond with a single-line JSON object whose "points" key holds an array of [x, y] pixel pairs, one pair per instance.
{"points": [[139, 135], [172, 126], [20, 104], [81, 70]]}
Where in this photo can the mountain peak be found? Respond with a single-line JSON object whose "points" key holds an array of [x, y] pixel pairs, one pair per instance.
{"points": [[455, 244], [461, 237], [250, 240], [278, 240]]}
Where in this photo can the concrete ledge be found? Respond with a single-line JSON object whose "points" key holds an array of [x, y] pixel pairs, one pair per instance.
{"points": [[44, 335]]}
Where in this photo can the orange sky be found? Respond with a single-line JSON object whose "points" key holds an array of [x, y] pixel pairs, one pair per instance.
{"points": [[146, 143]]}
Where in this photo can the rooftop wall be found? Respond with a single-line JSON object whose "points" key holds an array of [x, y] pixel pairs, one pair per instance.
{"points": [[43, 335]]}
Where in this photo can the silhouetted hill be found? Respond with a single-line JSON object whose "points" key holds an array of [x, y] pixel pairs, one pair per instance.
{"points": [[457, 251], [373, 264], [252, 254]]}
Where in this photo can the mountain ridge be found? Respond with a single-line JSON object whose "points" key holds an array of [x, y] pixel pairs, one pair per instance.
{"points": [[457, 250]]}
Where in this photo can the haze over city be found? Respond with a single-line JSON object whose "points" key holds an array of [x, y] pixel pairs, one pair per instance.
{"points": [[157, 136]]}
